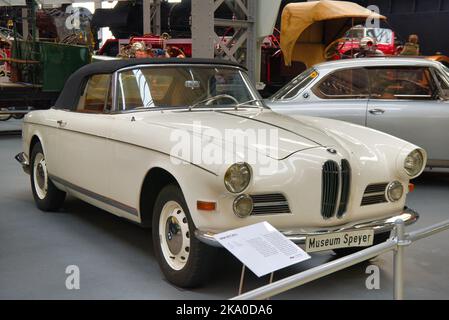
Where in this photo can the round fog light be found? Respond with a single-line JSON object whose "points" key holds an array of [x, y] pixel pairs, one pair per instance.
{"points": [[243, 206], [395, 191]]}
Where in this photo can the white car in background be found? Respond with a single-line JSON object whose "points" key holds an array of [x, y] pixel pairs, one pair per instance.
{"points": [[109, 141], [405, 97]]}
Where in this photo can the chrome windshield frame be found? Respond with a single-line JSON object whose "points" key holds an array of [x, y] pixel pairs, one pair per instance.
{"points": [[115, 77]]}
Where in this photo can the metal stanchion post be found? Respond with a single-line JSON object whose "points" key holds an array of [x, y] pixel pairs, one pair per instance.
{"points": [[242, 279], [399, 260]]}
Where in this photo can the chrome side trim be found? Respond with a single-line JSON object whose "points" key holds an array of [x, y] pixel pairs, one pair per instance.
{"points": [[97, 196], [409, 217], [22, 158]]}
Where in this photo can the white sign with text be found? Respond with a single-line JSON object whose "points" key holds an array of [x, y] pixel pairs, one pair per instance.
{"points": [[262, 248]]}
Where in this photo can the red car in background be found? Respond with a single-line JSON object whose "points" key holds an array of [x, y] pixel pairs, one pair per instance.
{"points": [[111, 47], [349, 44]]}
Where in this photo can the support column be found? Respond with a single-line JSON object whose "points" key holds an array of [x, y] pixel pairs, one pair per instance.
{"points": [[97, 5], [25, 26], [203, 28], [156, 17], [253, 51], [147, 16]]}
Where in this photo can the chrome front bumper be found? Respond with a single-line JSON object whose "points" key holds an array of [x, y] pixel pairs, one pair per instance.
{"points": [[23, 160], [409, 217]]}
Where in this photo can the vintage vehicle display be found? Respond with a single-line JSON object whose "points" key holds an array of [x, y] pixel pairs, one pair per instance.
{"points": [[349, 45], [115, 47], [309, 28], [35, 69], [127, 111], [311, 32], [405, 97]]}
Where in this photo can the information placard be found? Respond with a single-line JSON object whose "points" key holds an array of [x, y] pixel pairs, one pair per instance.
{"points": [[262, 248]]}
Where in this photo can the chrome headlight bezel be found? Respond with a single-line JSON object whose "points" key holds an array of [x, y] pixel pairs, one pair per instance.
{"points": [[238, 210], [244, 170], [415, 155], [393, 187]]}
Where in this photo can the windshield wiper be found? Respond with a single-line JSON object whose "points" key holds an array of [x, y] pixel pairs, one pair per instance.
{"points": [[247, 103]]}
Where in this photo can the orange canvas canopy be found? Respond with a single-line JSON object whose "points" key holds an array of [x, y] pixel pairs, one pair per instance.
{"points": [[308, 27]]}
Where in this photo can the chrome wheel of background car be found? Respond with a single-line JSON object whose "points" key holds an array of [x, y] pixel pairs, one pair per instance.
{"points": [[40, 176], [18, 116], [4, 117], [174, 235]]}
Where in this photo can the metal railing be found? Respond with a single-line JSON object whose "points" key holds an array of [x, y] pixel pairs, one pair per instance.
{"points": [[396, 244]]}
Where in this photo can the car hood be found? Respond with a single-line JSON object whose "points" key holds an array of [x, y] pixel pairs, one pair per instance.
{"points": [[288, 135]]}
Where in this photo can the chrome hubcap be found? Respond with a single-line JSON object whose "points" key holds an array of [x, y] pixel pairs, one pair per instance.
{"points": [[40, 176], [174, 235]]}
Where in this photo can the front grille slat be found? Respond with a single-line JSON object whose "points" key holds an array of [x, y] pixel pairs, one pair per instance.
{"points": [[370, 200], [330, 185], [275, 203], [345, 187], [271, 210], [268, 198], [376, 188], [374, 194]]}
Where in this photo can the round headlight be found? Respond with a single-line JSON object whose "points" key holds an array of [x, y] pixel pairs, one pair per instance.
{"points": [[395, 191], [414, 163], [237, 177], [243, 206]]}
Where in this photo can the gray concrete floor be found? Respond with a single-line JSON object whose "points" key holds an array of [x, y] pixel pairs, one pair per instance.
{"points": [[116, 259]]}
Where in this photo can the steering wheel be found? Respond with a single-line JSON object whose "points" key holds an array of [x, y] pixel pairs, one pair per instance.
{"points": [[334, 48], [221, 96], [175, 52]]}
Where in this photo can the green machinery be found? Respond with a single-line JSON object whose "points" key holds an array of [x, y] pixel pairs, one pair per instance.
{"points": [[39, 69], [56, 62]]}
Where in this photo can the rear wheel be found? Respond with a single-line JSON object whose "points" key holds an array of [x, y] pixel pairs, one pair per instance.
{"points": [[46, 196], [378, 239], [184, 260]]}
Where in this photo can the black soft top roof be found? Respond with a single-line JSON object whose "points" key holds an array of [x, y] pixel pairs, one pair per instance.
{"points": [[68, 99]]}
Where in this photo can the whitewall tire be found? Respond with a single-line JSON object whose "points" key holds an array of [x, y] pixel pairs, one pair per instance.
{"points": [[183, 259], [46, 196]]}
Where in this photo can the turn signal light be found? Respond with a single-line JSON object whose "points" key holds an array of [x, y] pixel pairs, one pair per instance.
{"points": [[411, 187], [206, 206]]}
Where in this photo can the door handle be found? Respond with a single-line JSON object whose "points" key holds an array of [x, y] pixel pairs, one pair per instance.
{"points": [[377, 112], [61, 123]]}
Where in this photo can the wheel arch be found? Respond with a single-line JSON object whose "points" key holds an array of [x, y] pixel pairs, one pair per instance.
{"points": [[155, 180], [35, 139]]}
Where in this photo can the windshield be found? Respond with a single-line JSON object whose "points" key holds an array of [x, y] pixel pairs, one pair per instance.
{"points": [[381, 35], [184, 86], [291, 89]]}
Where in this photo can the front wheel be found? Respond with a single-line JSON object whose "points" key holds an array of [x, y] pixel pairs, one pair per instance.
{"points": [[46, 196], [184, 260], [378, 239]]}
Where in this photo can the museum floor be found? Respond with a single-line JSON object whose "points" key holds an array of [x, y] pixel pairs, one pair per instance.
{"points": [[116, 258]]}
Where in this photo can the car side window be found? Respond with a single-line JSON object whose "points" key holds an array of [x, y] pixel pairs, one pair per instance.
{"points": [[344, 84], [290, 90], [442, 79], [96, 97], [402, 83]]}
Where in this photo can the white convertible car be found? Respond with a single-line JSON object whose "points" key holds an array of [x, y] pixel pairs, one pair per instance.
{"points": [[170, 144]]}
